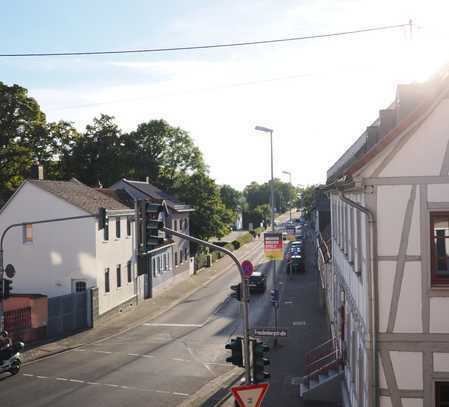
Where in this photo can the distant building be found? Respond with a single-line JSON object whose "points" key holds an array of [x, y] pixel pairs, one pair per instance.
{"points": [[387, 281], [168, 263]]}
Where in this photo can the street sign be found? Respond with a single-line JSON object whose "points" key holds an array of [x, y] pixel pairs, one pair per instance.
{"points": [[273, 245], [250, 396], [10, 271], [248, 268], [280, 332]]}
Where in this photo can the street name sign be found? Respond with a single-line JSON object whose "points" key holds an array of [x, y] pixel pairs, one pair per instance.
{"points": [[248, 268], [273, 245], [279, 332], [250, 396]]}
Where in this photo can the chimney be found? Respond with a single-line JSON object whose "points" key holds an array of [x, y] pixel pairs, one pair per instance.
{"points": [[372, 136], [147, 179], [408, 97], [387, 118], [37, 171]]}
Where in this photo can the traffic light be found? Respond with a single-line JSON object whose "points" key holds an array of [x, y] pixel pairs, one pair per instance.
{"points": [[5, 288], [259, 349], [102, 218], [237, 294], [153, 225], [237, 352]]}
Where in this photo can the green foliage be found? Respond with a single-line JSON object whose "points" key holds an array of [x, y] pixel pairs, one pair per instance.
{"points": [[210, 218], [305, 199]]}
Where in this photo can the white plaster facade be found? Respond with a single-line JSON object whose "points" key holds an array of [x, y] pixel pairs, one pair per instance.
{"points": [[62, 253], [387, 257]]}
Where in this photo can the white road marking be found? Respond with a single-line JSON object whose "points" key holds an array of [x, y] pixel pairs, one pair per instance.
{"points": [[102, 351], [42, 377], [28, 374], [288, 302], [76, 381], [133, 354], [180, 360], [162, 391], [173, 325], [180, 394], [111, 385], [208, 368], [217, 364], [79, 350], [124, 387], [62, 379], [299, 323], [93, 383], [147, 356]]}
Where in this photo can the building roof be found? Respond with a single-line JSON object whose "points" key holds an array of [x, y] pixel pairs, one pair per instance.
{"points": [[119, 195], [79, 195], [157, 194], [413, 104]]}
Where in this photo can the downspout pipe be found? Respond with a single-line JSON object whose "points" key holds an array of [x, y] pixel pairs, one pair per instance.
{"points": [[373, 293]]}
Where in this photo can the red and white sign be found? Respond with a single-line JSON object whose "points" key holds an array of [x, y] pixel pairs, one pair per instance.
{"points": [[250, 396], [248, 268]]}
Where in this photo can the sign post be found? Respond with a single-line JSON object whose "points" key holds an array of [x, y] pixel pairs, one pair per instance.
{"points": [[250, 396]]}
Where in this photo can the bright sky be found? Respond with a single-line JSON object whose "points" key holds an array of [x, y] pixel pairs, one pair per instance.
{"points": [[317, 95]]}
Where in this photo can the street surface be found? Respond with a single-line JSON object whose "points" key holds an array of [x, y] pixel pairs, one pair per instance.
{"points": [[160, 363], [166, 360]]}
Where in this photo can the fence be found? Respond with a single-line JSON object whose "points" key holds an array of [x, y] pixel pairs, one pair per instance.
{"points": [[18, 320], [67, 313]]}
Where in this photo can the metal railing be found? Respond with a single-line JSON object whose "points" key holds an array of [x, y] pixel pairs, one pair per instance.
{"points": [[325, 356]]}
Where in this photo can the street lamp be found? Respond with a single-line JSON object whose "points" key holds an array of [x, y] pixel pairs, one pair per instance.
{"points": [[275, 282], [290, 181]]}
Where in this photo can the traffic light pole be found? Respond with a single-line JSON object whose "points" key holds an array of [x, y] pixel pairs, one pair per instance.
{"points": [[15, 225], [245, 313]]}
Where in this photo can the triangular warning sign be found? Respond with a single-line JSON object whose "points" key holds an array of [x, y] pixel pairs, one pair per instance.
{"points": [[250, 396]]}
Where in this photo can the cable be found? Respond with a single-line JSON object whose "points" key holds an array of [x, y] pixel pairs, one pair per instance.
{"points": [[228, 45]]}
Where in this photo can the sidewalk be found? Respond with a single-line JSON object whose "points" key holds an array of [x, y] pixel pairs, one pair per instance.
{"points": [[145, 310], [306, 321]]}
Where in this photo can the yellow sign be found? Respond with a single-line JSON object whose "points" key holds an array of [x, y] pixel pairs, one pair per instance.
{"points": [[273, 247]]}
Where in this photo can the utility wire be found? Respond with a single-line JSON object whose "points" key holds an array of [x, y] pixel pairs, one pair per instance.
{"points": [[226, 45]]}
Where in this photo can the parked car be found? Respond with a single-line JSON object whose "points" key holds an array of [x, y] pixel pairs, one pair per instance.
{"points": [[296, 264], [257, 282]]}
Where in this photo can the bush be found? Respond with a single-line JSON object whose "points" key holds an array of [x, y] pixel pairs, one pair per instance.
{"points": [[236, 244]]}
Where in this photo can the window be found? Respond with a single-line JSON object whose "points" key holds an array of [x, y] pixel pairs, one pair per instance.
{"points": [[27, 233], [439, 234], [154, 267], [442, 394], [176, 258], [119, 275], [165, 261], [117, 227], [185, 253], [107, 287], [128, 226], [186, 224], [106, 230], [175, 225], [80, 286], [180, 256], [130, 272], [159, 264]]}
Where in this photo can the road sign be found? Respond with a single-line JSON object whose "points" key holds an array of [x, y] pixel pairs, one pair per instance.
{"points": [[250, 396], [248, 268], [10, 271], [280, 332], [273, 245]]}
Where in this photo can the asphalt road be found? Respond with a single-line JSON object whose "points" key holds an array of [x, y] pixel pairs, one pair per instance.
{"points": [[160, 363]]}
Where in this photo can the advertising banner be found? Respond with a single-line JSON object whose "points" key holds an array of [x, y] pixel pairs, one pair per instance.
{"points": [[273, 246]]}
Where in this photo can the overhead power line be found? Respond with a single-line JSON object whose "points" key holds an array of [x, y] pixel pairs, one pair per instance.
{"points": [[209, 46]]}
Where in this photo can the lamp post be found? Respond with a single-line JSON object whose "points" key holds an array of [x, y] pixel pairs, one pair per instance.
{"points": [[290, 181], [275, 282]]}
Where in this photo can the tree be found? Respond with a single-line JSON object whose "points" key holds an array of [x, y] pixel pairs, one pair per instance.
{"points": [[96, 155], [161, 152], [211, 218], [305, 199], [23, 137]]}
